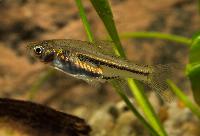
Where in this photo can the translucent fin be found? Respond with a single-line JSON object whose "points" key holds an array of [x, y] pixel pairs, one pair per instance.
{"points": [[94, 82], [157, 80], [106, 47], [121, 84]]}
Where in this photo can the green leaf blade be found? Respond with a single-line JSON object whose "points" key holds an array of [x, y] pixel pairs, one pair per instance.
{"points": [[157, 35], [193, 68], [115, 84], [195, 109], [84, 20], [104, 11]]}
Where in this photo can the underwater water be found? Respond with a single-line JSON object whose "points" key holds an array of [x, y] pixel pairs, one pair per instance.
{"points": [[24, 78]]}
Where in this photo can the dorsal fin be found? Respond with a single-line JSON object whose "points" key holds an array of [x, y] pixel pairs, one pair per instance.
{"points": [[106, 47]]}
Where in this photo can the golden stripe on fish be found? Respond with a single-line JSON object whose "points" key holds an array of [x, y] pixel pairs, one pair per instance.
{"points": [[87, 67], [114, 65]]}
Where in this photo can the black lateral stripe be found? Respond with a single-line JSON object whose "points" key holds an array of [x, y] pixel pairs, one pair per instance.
{"points": [[88, 58], [107, 78]]}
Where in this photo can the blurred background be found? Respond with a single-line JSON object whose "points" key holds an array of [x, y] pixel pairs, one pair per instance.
{"points": [[21, 77]]}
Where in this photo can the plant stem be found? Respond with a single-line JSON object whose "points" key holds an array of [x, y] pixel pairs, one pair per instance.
{"points": [[195, 109], [120, 92], [144, 103], [103, 9], [157, 35], [84, 20]]}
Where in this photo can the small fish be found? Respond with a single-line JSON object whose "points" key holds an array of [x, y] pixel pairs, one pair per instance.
{"points": [[96, 62]]}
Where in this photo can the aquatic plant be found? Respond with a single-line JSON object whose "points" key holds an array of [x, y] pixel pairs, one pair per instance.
{"points": [[151, 120], [103, 9]]}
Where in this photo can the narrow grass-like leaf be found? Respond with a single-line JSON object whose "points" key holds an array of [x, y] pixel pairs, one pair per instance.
{"points": [[193, 68], [84, 20], [132, 108], [195, 109], [104, 11], [142, 99], [115, 84], [157, 35]]}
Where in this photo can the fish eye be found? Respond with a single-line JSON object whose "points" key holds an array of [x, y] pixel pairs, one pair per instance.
{"points": [[38, 50]]}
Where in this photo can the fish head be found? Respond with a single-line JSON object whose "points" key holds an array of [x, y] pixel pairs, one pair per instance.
{"points": [[42, 50]]}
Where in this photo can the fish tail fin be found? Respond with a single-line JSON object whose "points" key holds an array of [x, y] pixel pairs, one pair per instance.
{"points": [[157, 80]]}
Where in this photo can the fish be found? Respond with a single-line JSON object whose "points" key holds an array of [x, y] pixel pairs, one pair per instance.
{"points": [[96, 62]]}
